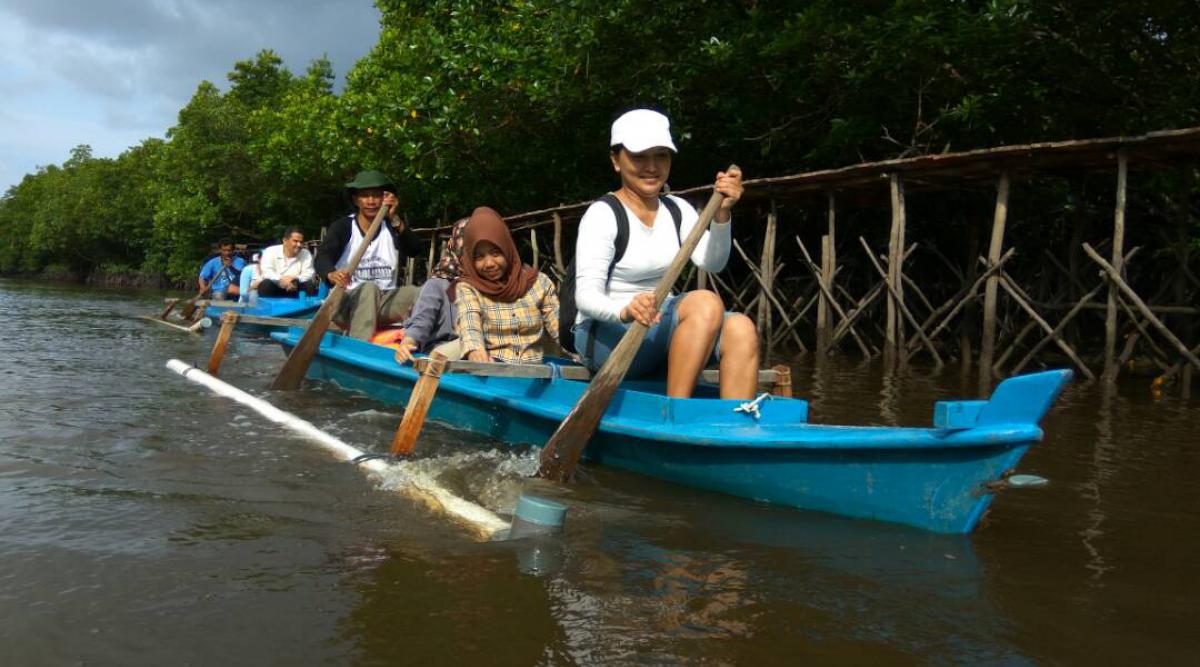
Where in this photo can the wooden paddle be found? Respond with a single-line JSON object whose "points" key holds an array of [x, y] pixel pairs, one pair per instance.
{"points": [[188, 309], [296, 366], [564, 448], [418, 404]]}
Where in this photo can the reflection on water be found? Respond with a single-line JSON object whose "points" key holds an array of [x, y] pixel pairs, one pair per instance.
{"points": [[144, 521]]}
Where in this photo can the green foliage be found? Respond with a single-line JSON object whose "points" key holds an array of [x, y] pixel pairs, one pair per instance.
{"points": [[508, 103]]}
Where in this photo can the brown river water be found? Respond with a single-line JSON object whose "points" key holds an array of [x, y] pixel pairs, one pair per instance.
{"points": [[146, 521]]}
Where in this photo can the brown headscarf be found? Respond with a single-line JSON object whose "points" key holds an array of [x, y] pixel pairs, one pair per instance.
{"points": [[450, 264], [486, 225]]}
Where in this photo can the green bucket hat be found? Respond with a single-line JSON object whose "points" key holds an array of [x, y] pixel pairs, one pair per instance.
{"points": [[370, 179]]}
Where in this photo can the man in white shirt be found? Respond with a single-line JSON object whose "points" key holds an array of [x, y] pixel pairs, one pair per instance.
{"points": [[286, 270]]}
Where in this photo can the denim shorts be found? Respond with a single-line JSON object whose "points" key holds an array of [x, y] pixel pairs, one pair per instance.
{"points": [[595, 341]]}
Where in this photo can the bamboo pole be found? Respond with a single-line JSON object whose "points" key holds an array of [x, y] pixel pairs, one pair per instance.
{"points": [[410, 266], [896, 242], [1136, 300], [987, 343], [1110, 320]]}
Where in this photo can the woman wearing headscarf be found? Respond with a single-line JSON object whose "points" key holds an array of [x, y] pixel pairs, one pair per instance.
{"points": [[690, 330], [503, 306], [432, 321]]}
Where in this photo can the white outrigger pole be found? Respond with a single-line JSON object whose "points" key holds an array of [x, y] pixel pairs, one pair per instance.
{"points": [[483, 524]]}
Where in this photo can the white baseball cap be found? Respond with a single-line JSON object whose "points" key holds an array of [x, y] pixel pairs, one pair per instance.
{"points": [[642, 129]]}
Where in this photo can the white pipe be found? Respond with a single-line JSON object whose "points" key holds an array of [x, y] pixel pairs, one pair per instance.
{"points": [[481, 521], [195, 327]]}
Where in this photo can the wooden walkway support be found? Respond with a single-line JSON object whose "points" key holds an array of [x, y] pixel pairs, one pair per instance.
{"points": [[987, 341], [896, 246], [1110, 320]]}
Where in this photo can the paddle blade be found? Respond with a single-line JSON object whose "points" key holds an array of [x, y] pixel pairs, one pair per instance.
{"points": [[291, 375], [418, 406]]}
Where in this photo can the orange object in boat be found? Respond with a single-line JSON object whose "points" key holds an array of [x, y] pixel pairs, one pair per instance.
{"points": [[390, 337]]}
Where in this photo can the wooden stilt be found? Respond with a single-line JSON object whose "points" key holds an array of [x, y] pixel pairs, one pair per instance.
{"points": [[987, 341], [989, 274], [1057, 329], [1011, 347], [812, 267], [768, 297], [828, 269], [765, 270], [1136, 300], [430, 265], [558, 252], [228, 320], [1110, 320], [410, 266], [937, 358], [533, 243], [896, 244], [1033, 314]]}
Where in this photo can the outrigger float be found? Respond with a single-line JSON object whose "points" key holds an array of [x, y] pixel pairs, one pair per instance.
{"points": [[940, 478]]}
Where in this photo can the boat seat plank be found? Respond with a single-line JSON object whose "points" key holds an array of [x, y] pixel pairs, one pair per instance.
{"points": [[767, 376]]}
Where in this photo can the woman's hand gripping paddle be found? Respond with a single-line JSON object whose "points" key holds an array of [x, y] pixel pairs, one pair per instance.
{"points": [[296, 366], [564, 448]]}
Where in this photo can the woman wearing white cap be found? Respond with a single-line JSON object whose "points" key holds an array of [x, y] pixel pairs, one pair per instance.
{"points": [[691, 330]]}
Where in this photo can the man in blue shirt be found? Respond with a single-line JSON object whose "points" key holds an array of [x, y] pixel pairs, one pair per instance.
{"points": [[220, 274]]}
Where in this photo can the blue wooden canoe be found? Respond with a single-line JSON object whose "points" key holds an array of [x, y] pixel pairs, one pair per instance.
{"points": [[302, 307], [934, 478]]}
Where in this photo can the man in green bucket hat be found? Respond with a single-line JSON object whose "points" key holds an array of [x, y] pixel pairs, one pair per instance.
{"points": [[372, 298]]}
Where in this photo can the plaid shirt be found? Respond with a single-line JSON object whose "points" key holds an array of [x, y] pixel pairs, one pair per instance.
{"points": [[510, 332]]}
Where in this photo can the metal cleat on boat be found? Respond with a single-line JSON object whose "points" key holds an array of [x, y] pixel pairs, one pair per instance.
{"points": [[751, 407]]}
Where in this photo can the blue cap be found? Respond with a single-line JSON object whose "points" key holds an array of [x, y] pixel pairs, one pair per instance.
{"points": [[541, 511]]}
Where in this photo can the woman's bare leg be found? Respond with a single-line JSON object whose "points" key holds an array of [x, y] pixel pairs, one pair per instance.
{"points": [[739, 357], [700, 315]]}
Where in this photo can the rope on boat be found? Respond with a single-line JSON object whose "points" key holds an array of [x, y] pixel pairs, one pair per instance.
{"points": [[483, 523], [751, 407]]}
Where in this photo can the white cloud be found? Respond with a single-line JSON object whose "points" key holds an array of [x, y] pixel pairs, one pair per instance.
{"points": [[111, 73]]}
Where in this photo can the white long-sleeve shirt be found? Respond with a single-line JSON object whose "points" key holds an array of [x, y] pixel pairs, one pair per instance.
{"points": [[646, 258], [273, 265]]}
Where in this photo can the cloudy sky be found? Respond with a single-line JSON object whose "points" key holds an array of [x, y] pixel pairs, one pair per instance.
{"points": [[110, 73]]}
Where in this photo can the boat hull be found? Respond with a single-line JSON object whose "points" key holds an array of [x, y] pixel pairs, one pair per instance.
{"points": [[303, 307], [931, 478]]}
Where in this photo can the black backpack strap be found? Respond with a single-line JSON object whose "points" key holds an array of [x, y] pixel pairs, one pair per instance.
{"points": [[622, 240], [676, 215]]}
